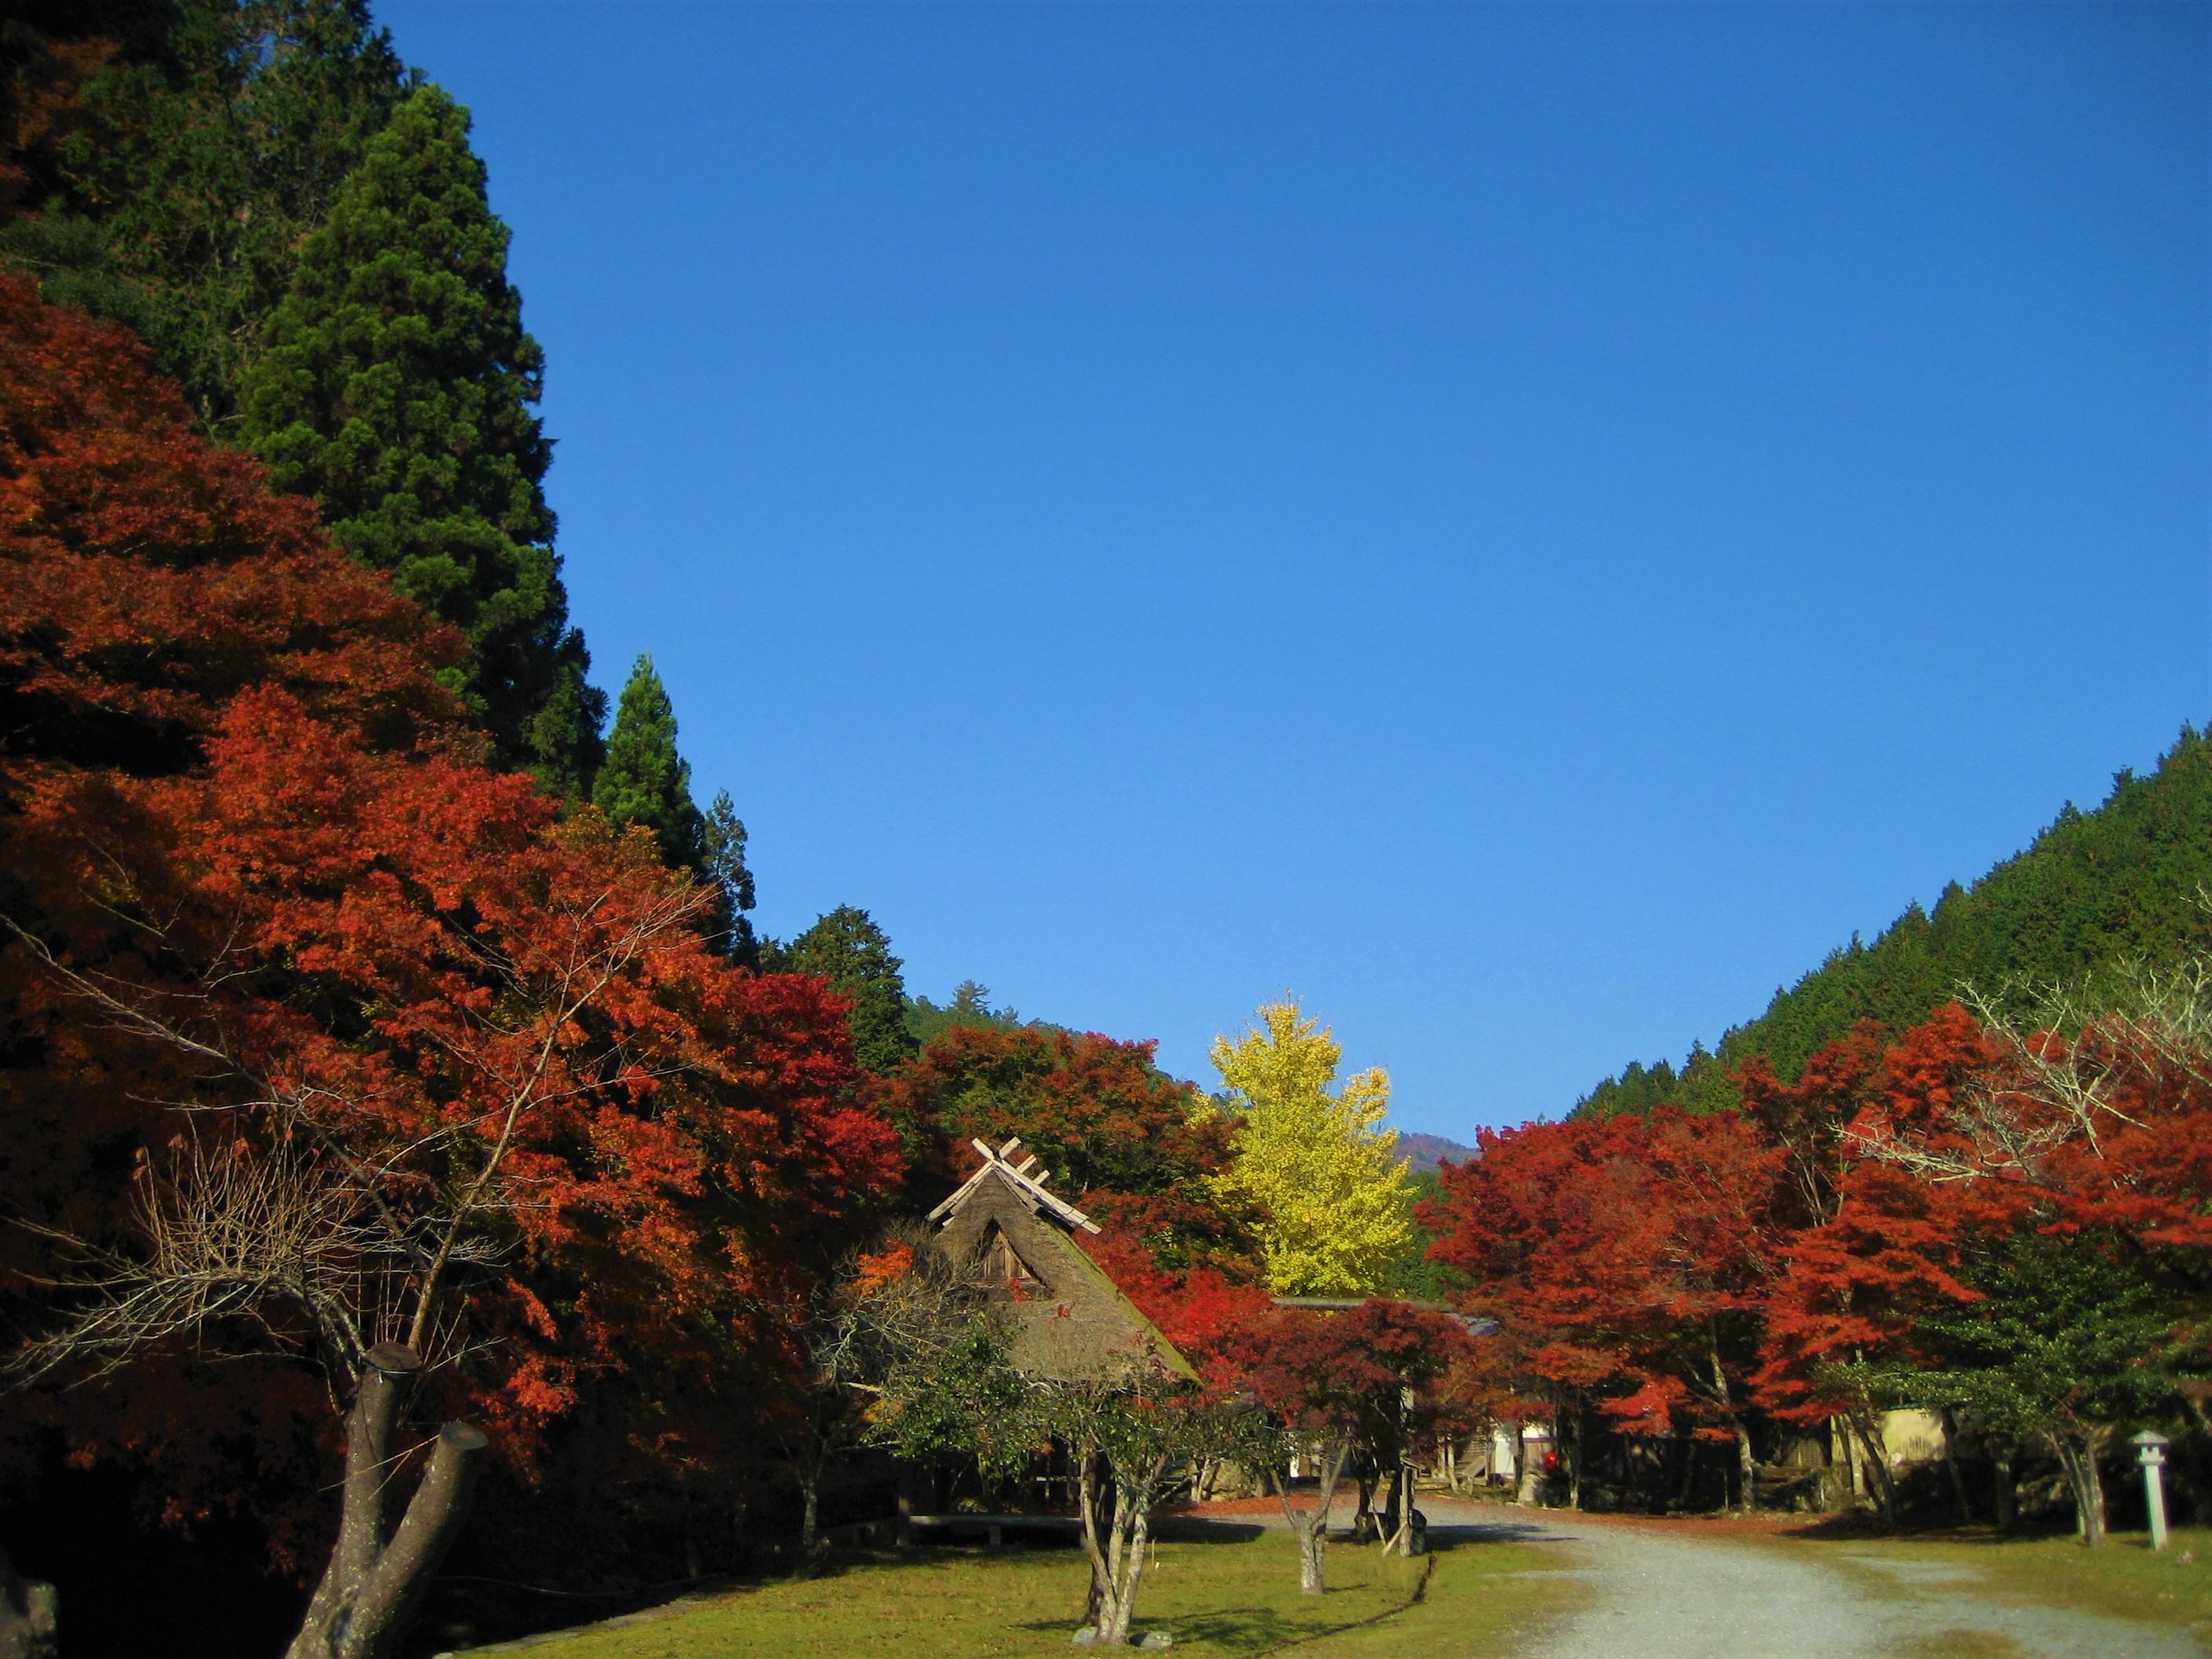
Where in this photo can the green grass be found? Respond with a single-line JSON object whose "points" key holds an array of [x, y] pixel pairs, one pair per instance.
{"points": [[2125, 1579], [1219, 1600]]}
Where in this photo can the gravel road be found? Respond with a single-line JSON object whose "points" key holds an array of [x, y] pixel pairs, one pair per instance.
{"points": [[1656, 1596]]}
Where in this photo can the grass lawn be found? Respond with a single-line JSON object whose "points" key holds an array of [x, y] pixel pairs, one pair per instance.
{"points": [[2125, 1579], [1220, 1599]]}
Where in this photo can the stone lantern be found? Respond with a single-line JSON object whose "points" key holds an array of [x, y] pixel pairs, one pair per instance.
{"points": [[2150, 1451]]}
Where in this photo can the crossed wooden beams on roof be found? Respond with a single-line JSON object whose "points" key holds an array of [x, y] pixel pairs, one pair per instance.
{"points": [[1472, 1324], [1026, 1178]]}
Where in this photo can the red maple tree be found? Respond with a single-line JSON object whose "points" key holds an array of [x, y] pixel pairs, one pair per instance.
{"points": [[1336, 1383], [1632, 1256], [334, 1050], [1098, 1112]]}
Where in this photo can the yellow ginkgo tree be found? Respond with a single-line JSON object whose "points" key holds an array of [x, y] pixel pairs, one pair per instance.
{"points": [[1314, 1159]]}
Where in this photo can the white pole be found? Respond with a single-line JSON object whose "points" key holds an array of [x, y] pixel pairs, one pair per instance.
{"points": [[2150, 1450]]}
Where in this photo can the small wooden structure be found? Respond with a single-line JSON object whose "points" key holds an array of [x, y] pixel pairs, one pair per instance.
{"points": [[1072, 1323]]}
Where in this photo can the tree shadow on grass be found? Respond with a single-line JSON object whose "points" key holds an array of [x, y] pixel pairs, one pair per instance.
{"points": [[1251, 1631], [1246, 1631], [1461, 1533], [1195, 1529], [1857, 1527]]}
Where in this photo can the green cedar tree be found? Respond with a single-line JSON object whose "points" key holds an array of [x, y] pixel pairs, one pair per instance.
{"points": [[847, 949], [726, 867], [396, 389], [644, 780], [970, 1005], [166, 159]]}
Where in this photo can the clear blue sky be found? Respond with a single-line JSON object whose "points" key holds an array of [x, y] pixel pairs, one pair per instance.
{"points": [[1526, 525]]}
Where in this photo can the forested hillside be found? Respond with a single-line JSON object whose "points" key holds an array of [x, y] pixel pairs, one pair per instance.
{"points": [[2127, 881]]}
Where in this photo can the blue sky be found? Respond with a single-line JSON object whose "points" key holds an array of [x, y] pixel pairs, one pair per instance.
{"points": [[1526, 525]]}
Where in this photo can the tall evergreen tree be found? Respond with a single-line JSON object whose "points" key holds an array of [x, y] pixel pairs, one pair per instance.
{"points": [[645, 780], [847, 949], [164, 160], [396, 390], [733, 882]]}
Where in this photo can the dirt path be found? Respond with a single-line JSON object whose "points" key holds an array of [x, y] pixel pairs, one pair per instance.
{"points": [[1661, 1595]]}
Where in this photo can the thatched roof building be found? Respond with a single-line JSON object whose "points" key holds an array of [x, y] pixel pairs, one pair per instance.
{"points": [[1072, 1323]]}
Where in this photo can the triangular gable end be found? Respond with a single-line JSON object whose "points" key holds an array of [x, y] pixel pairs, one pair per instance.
{"points": [[1071, 1321], [1000, 1264]]}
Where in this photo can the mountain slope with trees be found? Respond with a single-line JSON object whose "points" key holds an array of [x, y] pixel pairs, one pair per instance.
{"points": [[2123, 883]]}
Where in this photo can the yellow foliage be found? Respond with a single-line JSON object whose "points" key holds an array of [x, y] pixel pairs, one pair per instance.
{"points": [[1316, 1162]]}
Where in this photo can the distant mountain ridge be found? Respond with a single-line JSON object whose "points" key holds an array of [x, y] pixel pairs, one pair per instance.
{"points": [[2129, 880], [1426, 1151]]}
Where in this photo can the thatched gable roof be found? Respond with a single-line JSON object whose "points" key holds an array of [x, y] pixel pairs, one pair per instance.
{"points": [[1072, 1323]]}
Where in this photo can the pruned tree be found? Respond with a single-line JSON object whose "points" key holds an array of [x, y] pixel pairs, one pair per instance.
{"points": [[945, 1382], [1129, 1438], [1332, 1382]]}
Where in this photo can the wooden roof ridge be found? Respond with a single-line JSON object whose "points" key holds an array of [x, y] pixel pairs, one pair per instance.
{"points": [[1472, 1324], [1029, 1187]]}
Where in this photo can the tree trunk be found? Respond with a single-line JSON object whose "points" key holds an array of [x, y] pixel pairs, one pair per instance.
{"points": [[2003, 1500], [1747, 1466], [1105, 1541], [1400, 1536], [1311, 1526], [1876, 1463], [1088, 1497], [810, 1507], [1684, 1492], [1575, 1460], [2077, 1455], [1949, 1420], [372, 1589], [1138, 1526], [1311, 1572], [1118, 1523]]}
